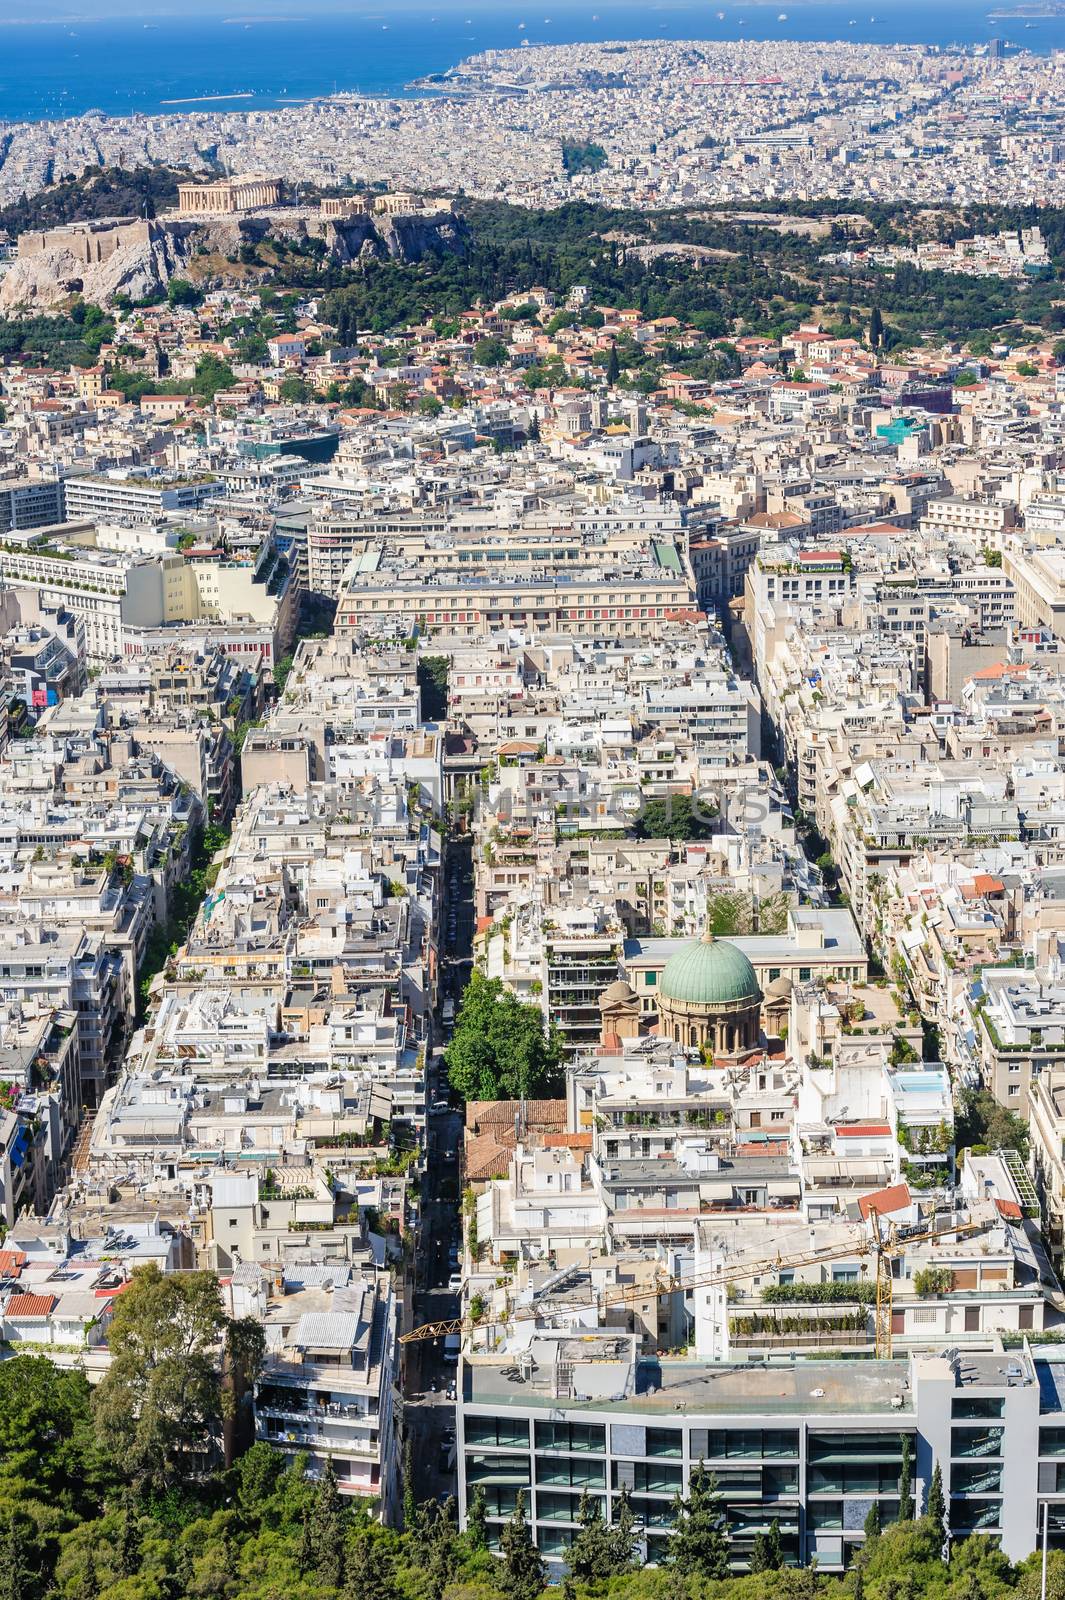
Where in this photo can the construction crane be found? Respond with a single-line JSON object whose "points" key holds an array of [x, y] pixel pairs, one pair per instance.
{"points": [[884, 1245]]}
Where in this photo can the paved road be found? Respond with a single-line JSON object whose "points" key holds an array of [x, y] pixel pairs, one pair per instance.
{"points": [[428, 1411]]}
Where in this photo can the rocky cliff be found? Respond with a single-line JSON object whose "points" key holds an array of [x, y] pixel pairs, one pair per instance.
{"points": [[142, 271]]}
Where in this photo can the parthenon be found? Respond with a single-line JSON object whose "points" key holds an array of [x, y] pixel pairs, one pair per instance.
{"points": [[247, 192]]}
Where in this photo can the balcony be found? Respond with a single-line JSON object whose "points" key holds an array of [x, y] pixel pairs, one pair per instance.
{"points": [[316, 1438]]}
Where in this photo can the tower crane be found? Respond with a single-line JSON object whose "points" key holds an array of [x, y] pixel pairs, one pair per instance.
{"points": [[884, 1244]]}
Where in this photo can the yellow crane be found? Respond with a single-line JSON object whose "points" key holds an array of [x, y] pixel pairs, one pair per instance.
{"points": [[883, 1245]]}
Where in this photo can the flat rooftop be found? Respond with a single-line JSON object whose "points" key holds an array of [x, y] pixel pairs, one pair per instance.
{"points": [[698, 1389]]}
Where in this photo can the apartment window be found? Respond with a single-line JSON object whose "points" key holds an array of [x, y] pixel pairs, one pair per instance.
{"points": [[977, 1408], [664, 1442], [645, 1477], [573, 1436], [506, 1431], [570, 1473]]}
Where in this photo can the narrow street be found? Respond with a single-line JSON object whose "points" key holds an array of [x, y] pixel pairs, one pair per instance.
{"points": [[429, 1391]]}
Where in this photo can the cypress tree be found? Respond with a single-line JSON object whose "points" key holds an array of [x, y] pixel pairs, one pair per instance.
{"points": [[872, 1522], [305, 1559], [410, 1505], [441, 1553], [760, 1561], [767, 1556], [477, 1520], [589, 1554], [14, 1570], [699, 1546], [613, 366], [367, 1570], [328, 1528], [622, 1535], [906, 1481], [129, 1544], [937, 1504], [523, 1568]]}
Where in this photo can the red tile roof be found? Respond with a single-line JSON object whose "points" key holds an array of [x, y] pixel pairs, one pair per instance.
{"points": [[884, 1201], [1010, 1210], [567, 1141], [11, 1263], [30, 1305], [862, 1130]]}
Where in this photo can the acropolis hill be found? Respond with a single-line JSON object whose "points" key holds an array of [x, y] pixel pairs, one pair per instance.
{"points": [[137, 257]]}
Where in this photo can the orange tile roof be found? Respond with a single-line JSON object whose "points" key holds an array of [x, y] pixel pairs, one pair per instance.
{"points": [[570, 1141], [549, 1116], [11, 1263], [30, 1305], [485, 1157], [883, 1201]]}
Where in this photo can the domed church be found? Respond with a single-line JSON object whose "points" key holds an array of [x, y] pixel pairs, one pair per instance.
{"points": [[708, 995]]}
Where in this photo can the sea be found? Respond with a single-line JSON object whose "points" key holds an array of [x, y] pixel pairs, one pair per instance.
{"points": [[157, 63]]}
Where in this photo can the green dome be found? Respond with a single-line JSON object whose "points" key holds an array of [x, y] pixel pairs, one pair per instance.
{"points": [[710, 972]]}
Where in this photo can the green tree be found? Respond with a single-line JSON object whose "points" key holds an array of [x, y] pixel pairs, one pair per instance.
{"points": [[48, 1447], [410, 1505], [613, 367], [129, 1539], [294, 389], [258, 1472], [16, 1579], [243, 1354], [876, 329], [906, 1507], [524, 1573], [180, 292], [477, 1520], [212, 377], [433, 682], [252, 349], [590, 1555], [490, 352], [872, 1525], [699, 1546], [499, 1050], [937, 1503], [329, 1525], [369, 1574], [441, 1553], [622, 1535], [160, 1398], [766, 1553], [673, 816], [430, 406]]}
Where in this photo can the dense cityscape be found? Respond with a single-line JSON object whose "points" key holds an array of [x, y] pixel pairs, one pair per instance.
{"points": [[532, 836], [676, 123]]}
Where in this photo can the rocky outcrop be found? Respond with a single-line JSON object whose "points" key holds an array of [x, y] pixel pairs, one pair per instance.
{"points": [[141, 271], [402, 237]]}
